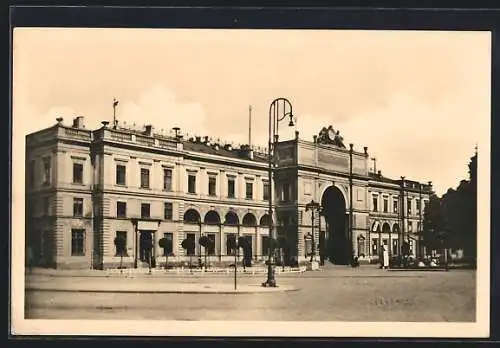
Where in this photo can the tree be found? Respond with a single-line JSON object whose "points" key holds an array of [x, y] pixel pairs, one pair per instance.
{"points": [[121, 247], [188, 244], [165, 244], [433, 222], [204, 241]]}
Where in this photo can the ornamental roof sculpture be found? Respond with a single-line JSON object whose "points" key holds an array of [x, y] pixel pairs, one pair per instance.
{"points": [[330, 137]]}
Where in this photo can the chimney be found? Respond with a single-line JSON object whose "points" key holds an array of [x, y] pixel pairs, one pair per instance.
{"points": [[149, 130], [366, 150], [315, 138], [250, 153], [78, 122], [198, 139], [379, 173]]}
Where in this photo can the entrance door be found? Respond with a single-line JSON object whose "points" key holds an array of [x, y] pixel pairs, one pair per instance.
{"points": [[146, 245]]}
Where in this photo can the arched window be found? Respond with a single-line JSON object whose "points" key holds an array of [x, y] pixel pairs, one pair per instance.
{"points": [[386, 228], [231, 219], [264, 220], [191, 216], [212, 218], [395, 228], [249, 220]]}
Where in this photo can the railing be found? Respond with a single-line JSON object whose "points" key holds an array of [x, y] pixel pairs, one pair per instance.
{"points": [[77, 133], [121, 136], [145, 140]]}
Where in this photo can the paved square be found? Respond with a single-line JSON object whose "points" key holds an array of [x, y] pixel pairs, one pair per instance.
{"points": [[333, 294]]}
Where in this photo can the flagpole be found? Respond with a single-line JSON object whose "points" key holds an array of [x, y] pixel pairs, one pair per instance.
{"points": [[115, 103]]}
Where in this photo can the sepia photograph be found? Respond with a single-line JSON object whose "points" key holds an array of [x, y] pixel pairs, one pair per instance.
{"points": [[262, 182]]}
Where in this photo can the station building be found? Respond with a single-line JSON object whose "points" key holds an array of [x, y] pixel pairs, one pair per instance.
{"points": [[85, 187]]}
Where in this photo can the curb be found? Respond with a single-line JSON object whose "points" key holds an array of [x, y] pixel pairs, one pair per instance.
{"points": [[193, 292]]}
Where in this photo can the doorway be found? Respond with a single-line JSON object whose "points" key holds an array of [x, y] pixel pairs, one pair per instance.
{"points": [[146, 248]]}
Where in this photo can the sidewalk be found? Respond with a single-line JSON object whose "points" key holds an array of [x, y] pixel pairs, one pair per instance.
{"points": [[137, 285], [159, 272]]}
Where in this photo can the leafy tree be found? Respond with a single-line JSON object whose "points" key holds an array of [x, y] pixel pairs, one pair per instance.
{"points": [[165, 244], [121, 247], [189, 245]]}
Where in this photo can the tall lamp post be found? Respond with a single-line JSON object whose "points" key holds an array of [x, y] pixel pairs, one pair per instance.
{"points": [[279, 109], [312, 206]]}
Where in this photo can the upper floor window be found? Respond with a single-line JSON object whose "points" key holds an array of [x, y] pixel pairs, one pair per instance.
{"points": [[375, 203], [265, 190], [395, 205], [168, 211], [77, 173], [418, 205], [386, 205], [230, 187], [121, 209], [408, 205], [286, 192], [212, 183], [121, 174], [47, 170], [192, 183], [144, 178], [249, 190], [31, 174], [145, 210], [167, 179], [410, 226], [78, 207]]}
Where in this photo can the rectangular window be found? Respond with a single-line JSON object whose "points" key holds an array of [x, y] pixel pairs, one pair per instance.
{"points": [[265, 191], [212, 181], [47, 169], [395, 205], [167, 179], [394, 246], [408, 205], [410, 226], [78, 207], [386, 205], [169, 250], [230, 188], [144, 178], [121, 209], [77, 242], [374, 246], [77, 173], [249, 190], [121, 174], [191, 236], [375, 203], [265, 245], [211, 244], [167, 210], [230, 239], [192, 183], [123, 235], [418, 226], [31, 174], [418, 206], [145, 210], [286, 192]]}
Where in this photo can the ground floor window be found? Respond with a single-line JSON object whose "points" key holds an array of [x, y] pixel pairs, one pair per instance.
{"points": [[265, 246], [121, 250], [169, 250], [211, 244], [395, 247], [374, 246], [77, 242], [191, 250], [361, 246], [230, 242]]}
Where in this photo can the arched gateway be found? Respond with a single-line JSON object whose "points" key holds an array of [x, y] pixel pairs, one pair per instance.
{"points": [[336, 245]]}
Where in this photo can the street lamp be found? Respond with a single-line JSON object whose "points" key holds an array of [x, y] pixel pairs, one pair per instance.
{"points": [[279, 109], [312, 206]]}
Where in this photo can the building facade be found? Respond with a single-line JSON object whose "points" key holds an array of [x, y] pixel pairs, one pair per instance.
{"points": [[86, 187]]}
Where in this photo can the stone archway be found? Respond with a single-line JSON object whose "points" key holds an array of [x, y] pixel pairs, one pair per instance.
{"points": [[337, 246]]}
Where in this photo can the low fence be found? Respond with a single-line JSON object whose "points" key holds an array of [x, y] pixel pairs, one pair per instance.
{"points": [[210, 270]]}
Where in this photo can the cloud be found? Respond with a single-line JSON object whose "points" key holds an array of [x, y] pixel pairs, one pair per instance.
{"points": [[160, 107]]}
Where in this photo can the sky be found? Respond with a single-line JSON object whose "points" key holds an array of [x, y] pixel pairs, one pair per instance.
{"points": [[419, 100]]}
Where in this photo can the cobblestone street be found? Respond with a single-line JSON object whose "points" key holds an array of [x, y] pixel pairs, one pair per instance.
{"points": [[333, 294]]}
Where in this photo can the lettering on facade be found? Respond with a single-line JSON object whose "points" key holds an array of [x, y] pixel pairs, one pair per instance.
{"points": [[338, 162]]}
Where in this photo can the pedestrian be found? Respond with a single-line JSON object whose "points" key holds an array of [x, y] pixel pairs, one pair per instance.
{"points": [[385, 256]]}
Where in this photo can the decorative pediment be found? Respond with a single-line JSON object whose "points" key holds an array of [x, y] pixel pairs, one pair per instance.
{"points": [[330, 137]]}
